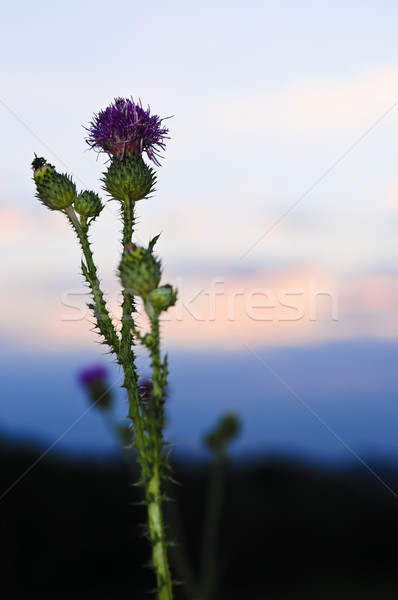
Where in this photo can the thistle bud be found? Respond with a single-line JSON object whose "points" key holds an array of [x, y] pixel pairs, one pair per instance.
{"points": [[148, 340], [88, 204], [139, 271], [223, 433], [57, 191], [129, 179], [161, 299]]}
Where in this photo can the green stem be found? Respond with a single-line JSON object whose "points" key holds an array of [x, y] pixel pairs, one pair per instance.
{"points": [[149, 447], [127, 358], [140, 439], [178, 551], [157, 535], [159, 391], [154, 495], [149, 450], [104, 322], [128, 304], [211, 529], [122, 348]]}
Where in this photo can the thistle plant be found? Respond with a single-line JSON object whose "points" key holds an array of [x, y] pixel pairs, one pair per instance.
{"points": [[217, 441], [125, 131]]}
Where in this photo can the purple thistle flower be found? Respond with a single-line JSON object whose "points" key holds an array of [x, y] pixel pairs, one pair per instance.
{"points": [[92, 375], [125, 127], [93, 379]]}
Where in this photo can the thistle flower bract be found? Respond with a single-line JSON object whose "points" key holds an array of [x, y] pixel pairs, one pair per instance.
{"points": [[129, 179], [125, 128]]}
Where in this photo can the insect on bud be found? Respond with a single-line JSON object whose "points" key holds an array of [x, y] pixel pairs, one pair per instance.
{"points": [[57, 191]]}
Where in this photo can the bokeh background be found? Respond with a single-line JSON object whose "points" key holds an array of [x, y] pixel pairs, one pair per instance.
{"points": [[277, 200]]}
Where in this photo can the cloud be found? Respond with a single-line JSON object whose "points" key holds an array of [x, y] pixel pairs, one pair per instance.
{"points": [[389, 192], [312, 107], [278, 307], [287, 307], [14, 223]]}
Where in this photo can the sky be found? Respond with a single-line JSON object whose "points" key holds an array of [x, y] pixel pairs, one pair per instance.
{"points": [[280, 178], [277, 197]]}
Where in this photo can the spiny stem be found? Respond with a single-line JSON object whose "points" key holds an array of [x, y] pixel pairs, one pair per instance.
{"points": [[149, 450], [158, 379], [128, 305], [140, 439], [149, 447], [104, 322], [157, 535], [156, 423], [126, 355], [122, 348]]}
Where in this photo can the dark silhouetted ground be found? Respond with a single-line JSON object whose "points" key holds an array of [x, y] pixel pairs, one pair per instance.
{"points": [[72, 529]]}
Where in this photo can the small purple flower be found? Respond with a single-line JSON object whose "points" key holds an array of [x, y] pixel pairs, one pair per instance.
{"points": [[92, 375], [94, 379], [125, 127]]}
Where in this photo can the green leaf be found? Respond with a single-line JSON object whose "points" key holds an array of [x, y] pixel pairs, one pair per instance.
{"points": [[153, 242], [165, 370], [85, 272]]}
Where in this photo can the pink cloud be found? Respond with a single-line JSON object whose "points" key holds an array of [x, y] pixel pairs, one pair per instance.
{"points": [[14, 223], [271, 308]]}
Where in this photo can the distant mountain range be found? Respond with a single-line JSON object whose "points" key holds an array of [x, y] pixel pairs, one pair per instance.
{"points": [[325, 403]]}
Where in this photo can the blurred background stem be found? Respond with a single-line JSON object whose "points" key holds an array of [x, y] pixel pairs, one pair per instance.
{"points": [[211, 528]]}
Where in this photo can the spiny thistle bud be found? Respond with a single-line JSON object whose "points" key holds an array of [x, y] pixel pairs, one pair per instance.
{"points": [[55, 190], [129, 179], [139, 271], [88, 204], [161, 299]]}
